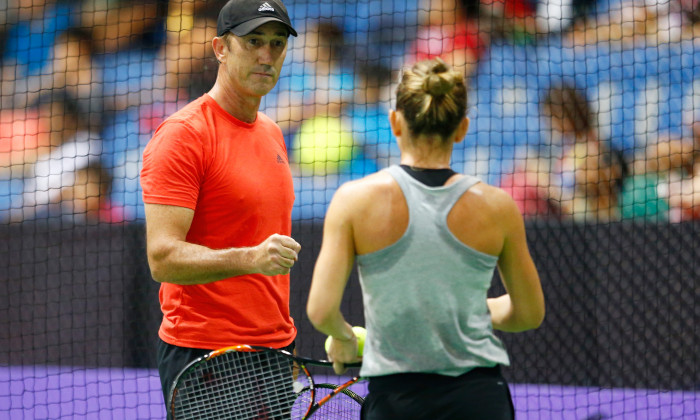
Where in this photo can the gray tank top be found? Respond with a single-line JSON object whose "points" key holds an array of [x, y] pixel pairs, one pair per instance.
{"points": [[425, 295]]}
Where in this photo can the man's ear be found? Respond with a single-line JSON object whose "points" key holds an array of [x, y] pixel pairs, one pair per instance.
{"points": [[219, 46]]}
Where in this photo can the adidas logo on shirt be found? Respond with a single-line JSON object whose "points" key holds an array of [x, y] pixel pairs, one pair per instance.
{"points": [[265, 7], [279, 159]]}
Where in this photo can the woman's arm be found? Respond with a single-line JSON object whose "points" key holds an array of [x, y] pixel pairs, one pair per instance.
{"points": [[522, 308], [333, 267]]}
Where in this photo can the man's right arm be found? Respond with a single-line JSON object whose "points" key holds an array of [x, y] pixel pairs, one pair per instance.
{"points": [[174, 260]]}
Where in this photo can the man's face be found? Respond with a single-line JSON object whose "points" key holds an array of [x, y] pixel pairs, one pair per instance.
{"points": [[254, 61]]}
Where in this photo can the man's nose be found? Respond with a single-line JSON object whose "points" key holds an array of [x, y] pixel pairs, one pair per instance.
{"points": [[266, 54]]}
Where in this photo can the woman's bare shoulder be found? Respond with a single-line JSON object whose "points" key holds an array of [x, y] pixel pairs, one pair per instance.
{"points": [[497, 200], [491, 193], [371, 185]]}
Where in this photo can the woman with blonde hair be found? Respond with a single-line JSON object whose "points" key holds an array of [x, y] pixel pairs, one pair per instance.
{"points": [[427, 241]]}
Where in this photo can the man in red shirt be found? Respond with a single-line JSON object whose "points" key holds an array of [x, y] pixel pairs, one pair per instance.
{"points": [[218, 197]]}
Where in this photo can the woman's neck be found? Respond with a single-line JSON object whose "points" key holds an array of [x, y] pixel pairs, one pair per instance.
{"points": [[427, 159]]}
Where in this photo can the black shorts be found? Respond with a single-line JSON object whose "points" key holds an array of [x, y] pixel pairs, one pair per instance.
{"points": [[481, 393], [172, 359]]}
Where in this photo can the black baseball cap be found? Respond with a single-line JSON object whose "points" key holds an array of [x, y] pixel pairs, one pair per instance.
{"points": [[243, 16]]}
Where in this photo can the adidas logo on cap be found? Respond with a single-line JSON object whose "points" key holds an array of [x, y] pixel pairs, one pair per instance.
{"points": [[241, 17], [265, 7]]}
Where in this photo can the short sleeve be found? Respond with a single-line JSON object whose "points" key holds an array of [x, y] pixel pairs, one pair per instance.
{"points": [[173, 166]]}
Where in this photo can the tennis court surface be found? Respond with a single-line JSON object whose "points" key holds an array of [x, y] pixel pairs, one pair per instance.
{"points": [[44, 392]]}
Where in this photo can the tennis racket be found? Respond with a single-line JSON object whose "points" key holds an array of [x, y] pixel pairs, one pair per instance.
{"points": [[250, 382], [335, 402]]}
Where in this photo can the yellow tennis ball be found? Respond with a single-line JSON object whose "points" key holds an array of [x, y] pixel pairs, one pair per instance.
{"points": [[360, 333], [324, 145]]}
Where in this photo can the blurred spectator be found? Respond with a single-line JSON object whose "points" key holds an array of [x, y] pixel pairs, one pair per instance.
{"points": [[606, 191], [187, 60], [690, 19], [185, 69], [509, 19], [529, 185], [126, 37], [370, 120], [685, 202], [182, 69], [36, 132], [118, 25], [23, 136], [554, 16], [598, 187], [574, 132], [317, 81], [87, 199], [310, 102], [71, 68], [571, 128], [153, 56], [630, 23], [446, 31], [73, 146], [673, 164], [182, 13], [665, 21], [645, 192], [31, 28]]}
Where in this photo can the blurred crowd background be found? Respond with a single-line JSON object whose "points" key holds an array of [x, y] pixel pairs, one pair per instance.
{"points": [[587, 110]]}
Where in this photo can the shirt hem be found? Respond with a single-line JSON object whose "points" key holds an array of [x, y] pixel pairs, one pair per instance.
{"points": [[219, 345]]}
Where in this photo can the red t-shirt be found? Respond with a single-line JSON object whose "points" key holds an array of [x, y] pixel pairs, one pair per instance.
{"points": [[236, 178]]}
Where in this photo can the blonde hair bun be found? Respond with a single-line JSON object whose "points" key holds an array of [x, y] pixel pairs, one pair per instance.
{"points": [[432, 97], [438, 81]]}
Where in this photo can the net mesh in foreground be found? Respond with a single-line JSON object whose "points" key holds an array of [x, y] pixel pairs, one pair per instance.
{"points": [[613, 86]]}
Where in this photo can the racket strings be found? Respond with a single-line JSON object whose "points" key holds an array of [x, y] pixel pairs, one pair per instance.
{"points": [[343, 406], [239, 385], [340, 407]]}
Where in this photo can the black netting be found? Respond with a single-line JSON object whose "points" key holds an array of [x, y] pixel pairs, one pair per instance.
{"points": [[586, 112]]}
